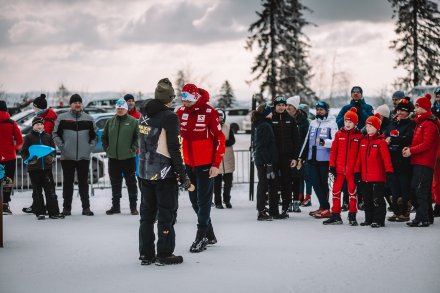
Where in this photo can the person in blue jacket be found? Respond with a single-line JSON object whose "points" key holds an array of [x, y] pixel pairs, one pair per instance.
{"points": [[364, 110]]}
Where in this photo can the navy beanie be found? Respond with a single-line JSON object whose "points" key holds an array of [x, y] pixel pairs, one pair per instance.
{"points": [[40, 102], [128, 97], [399, 95], [75, 98], [356, 87]]}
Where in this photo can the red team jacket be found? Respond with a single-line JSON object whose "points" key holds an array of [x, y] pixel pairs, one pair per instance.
{"points": [[203, 141], [11, 139], [134, 113], [49, 116], [344, 150], [425, 141], [373, 161]]}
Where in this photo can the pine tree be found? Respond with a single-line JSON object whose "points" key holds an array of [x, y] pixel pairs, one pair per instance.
{"points": [[418, 41], [226, 98], [281, 63]]}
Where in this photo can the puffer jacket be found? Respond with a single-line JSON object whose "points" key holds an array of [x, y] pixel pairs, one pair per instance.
{"points": [[400, 133], [228, 163], [325, 129], [160, 156], [303, 125], [373, 161], [120, 137], [264, 145], [363, 109], [49, 116], [75, 135], [344, 150], [424, 145], [35, 138], [286, 135], [11, 138], [203, 140]]}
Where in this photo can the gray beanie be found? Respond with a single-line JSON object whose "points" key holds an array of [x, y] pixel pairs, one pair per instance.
{"points": [[164, 91]]}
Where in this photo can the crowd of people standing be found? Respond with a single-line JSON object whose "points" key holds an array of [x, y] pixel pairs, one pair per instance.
{"points": [[367, 158]]}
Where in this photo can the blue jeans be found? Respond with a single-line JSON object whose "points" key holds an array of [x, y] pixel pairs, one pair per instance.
{"points": [[201, 197]]}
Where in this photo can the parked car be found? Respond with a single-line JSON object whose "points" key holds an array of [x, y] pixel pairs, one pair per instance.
{"points": [[421, 90], [102, 103], [235, 118], [24, 119]]}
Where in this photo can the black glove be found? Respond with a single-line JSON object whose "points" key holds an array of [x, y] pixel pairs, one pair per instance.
{"points": [[270, 174], [321, 142], [357, 177], [184, 181], [332, 170], [389, 177], [49, 159]]}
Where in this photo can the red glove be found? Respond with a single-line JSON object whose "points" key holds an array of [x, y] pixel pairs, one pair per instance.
{"points": [[394, 133]]}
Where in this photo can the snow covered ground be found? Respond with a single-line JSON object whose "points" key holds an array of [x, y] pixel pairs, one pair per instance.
{"points": [[100, 253]]}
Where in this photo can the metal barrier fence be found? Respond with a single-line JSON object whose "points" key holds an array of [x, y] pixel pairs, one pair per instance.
{"points": [[98, 174]]}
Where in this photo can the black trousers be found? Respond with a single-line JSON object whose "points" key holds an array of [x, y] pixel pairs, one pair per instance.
{"points": [[284, 174], [9, 172], [127, 169], [421, 185], [82, 171], [374, 201], [227, 178], [43, 180], [264, 185], [158, 198]]}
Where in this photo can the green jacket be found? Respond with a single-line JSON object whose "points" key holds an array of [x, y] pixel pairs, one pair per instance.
{"points": [[120, 137]]}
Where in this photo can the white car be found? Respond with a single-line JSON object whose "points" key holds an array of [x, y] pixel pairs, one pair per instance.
{"points": [[235, 118]]}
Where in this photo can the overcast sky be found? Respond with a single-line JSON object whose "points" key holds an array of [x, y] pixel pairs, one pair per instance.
{"points": [[130, 45]]}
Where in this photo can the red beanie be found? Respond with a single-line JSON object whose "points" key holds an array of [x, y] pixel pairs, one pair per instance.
{"points": [[190, 92], [424, 103], [374, 121], [352, 115]]}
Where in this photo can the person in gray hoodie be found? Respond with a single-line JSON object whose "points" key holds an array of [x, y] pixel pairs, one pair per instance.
{"points": [[75, 136]]}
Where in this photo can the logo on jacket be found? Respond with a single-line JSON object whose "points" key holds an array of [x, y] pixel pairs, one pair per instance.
{"points": [[185, 116], [200, 118], [164, 171]]}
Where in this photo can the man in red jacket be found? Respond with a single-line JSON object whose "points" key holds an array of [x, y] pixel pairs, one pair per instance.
{"points": [[48, 114], [423, 151], [203, 144], [132, 111], [10, 142]]}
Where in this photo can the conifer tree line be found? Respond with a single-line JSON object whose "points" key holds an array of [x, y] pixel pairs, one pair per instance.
{"points": [[281, 64]]}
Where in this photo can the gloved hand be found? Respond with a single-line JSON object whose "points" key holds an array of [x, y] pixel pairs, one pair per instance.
{"points": [[184, 181], [49, 159], [270, 174], [332, 170], [357, 177], [33, 161]]}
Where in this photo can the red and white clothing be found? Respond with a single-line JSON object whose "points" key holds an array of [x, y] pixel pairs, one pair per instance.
{"points": [[11, 138], [134, 113], [374, 160], [343, 155], [424, 146], [203, 141]]}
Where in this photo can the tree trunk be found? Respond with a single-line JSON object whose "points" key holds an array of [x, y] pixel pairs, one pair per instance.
{"points": [[416, 44], [272, 77]]}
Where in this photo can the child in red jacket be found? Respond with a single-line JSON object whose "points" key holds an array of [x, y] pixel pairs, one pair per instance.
{"points": [[343, 155], [373, 169]]}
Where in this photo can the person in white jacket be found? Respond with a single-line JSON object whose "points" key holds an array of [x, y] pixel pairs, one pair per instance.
{"points": [[316, 150]]}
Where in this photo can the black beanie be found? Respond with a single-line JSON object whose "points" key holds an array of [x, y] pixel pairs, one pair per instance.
{"points": [[3, 106], [75, 98], [40, 102], [164, 91], [37, 119], [357, 88], [128, 97]]}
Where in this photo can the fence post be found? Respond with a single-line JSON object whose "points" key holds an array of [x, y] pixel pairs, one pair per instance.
{"points": [[251, 159]]}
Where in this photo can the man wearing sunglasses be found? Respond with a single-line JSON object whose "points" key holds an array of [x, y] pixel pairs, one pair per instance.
{"points": [[364, 110], [287, 140], [397, 96]]}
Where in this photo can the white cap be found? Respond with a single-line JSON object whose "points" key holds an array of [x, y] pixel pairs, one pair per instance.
{"points": [[121, 104], [383, 110], [294, 101]]}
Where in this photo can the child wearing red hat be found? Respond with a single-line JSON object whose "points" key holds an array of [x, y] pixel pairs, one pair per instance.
{"points": [[373, 168], [423, 151], [343, 155]]}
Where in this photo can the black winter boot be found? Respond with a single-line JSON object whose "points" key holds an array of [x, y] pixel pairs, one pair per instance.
{"points": [[113, 210], [200, 242], [210, 235], [352, 219], [436, 212], [169, 260], [335, 219]]}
